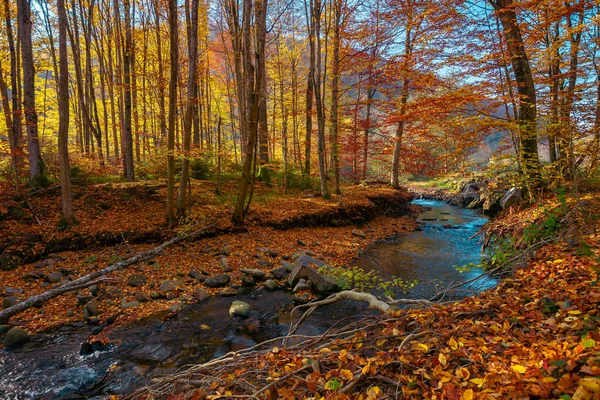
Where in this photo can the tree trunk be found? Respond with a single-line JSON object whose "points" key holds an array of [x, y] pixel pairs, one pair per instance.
{"points": [[189, 109], [63, 129], [335, 94], [37, 175], [174, 44], [127, 67], [527, 115], [17, 123]]}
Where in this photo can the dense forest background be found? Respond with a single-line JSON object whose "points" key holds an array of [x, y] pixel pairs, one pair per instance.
{"points": [[291, 91]]}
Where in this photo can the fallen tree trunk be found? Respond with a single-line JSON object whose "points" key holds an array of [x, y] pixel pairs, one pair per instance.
{"points": [[92, 279]]}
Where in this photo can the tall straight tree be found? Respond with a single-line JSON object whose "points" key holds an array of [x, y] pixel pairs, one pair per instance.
{"points": [[527, 113], [37, 174], [174, 43], [127, 68], [189, 109], [63, 109]]}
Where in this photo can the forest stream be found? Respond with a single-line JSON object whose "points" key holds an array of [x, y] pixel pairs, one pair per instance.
{"points": [[51, 364]]}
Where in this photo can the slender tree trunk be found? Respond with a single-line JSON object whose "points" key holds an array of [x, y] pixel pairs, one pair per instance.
{"points": [[127, 68], [335, 93], [37, 175], [174, 44], [68, 217], [189, 109], [17, 123], [161, 74]]}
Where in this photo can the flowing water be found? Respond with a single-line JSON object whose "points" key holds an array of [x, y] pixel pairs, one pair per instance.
{"points": [[50, 365]]}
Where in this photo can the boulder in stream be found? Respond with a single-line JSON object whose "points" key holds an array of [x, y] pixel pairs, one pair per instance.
{"points": [[303, 269], [15, 337], [239, 309], [217, 281]]}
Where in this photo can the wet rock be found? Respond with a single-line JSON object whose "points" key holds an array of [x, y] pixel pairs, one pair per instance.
{"points": [[217, 280], [302, 285], [16, 337], [128, 304], [273, 253], [511, 197], [303, 269], [54, 277], [91, 346], [10, 301], [169, 285], [285, 257], [90, 310], [97, 330], [137, 280], [359, 233], [227, 292], [271, 284], [70, 313], [224, 265], [143, 297], [239, 309], [280, 273], [248, 281], [201, 294], [254, 273], [303, 299]]}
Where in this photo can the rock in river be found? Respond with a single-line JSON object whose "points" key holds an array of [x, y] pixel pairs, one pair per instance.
{"points": [[169, 285], [239, 309], [137, 280], [303, 269], [15, 337]]}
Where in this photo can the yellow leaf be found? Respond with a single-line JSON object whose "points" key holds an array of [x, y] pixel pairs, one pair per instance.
{"points": [[467, 395], [365, 369], [325, 351], [422, 347], [346, 374], [560, 260], [477, 381], [519, 368], [463, 373], [275, 350], [374, 392], [574, 312], [590, 384], [453, 344], [442, 359]]}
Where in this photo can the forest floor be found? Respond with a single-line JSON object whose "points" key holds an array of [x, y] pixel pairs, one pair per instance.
{"points": [[119, 221], [535, 336]]}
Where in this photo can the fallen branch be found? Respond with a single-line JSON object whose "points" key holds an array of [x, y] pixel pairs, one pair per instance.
{"points": [[90, 279]]}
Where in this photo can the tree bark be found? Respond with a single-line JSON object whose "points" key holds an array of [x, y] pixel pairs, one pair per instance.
{"points": [[127, 67], [174, 44], [68, 217]]}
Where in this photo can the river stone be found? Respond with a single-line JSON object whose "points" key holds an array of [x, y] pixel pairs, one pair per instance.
{"points": [[201, 294], [287, 265], [301, 242], [15, 337], [154, 295], [137, 280], [176, 307], [217, 280], [226, 251], [169, 285], [90, 310], [273, 253], [228, 292], [239, 309], [271, 284], [54, 277], [511, 197], [359, 233], [10, 301], [303, 269], [224, 265], [302, 299], [70, 313], [302, 285], [255, 273], [280, 273]]}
